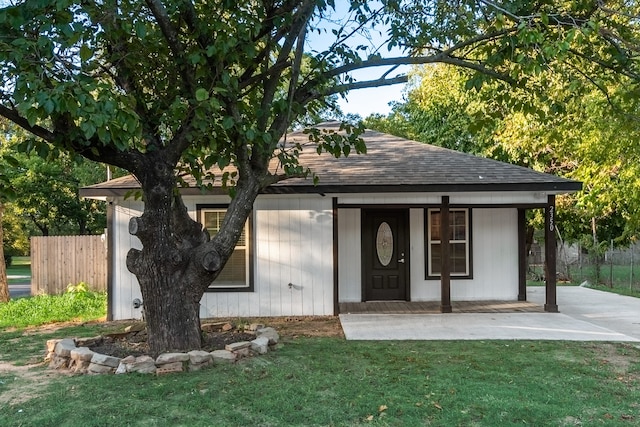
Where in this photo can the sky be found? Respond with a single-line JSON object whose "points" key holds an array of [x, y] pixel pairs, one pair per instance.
{"points": [[369, 101], [363, 102]]}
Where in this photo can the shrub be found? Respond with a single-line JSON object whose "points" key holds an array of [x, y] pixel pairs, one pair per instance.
{"points": [[79, 287]]}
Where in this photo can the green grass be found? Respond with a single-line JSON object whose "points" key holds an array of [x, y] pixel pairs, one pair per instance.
{"points": [[617, 289], [332, 382], [18, 261], [41, 309]]}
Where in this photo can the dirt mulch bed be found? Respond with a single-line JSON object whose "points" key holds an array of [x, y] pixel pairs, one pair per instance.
{"points": [[304, 326], [121, 344]]}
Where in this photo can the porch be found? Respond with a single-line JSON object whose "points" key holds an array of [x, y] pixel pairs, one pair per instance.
{"points": [[433, 307]]}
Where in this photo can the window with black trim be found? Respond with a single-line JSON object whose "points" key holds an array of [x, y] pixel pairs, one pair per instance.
{"points": [[236, 273], [459, 243]]}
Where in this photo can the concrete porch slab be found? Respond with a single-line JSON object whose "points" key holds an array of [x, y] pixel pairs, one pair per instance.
{"points": [[586, 315]]}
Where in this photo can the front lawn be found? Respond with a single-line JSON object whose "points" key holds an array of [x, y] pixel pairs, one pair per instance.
{"points": [[327, 381]]}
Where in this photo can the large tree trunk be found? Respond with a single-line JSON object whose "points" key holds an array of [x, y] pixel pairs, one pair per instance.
{"points": [[4, 282], [170, 304], [178, 261]]}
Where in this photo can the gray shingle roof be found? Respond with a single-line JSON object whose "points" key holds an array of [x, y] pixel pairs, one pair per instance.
{"points": [[393, 164]]}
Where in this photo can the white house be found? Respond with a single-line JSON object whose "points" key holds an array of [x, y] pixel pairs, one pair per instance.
{"points": [[372, 229]]}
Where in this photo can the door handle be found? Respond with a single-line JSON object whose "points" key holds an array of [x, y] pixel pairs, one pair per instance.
{"points": [[401, 260]]}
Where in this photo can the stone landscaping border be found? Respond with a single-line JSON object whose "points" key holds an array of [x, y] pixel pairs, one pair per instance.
{"points": [[74, 355]]}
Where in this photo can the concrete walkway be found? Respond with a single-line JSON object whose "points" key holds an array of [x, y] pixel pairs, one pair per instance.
{"points": [[585, 315]]}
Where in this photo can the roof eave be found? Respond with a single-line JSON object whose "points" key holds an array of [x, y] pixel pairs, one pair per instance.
{"points": [[550, 188], [547, 187]]}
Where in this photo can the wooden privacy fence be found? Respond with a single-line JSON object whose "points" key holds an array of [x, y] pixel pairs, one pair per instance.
{"points": [[57, 261]]}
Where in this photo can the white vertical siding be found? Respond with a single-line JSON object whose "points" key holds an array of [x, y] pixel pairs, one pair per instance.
{"points": [[126, 287], [495, 259], [293, 245], [421, 290], [349, 256]]}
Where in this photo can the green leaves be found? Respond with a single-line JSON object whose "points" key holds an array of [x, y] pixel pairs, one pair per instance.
{"points": [[85, 53], [202, 95], [338, 143]]}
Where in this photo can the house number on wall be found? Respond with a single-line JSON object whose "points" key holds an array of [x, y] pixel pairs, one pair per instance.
{"points": [[552, 218], [384, 244]]}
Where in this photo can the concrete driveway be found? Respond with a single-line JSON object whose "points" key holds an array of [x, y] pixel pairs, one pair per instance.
{"points": [[585, 315], [20, 290], [21, 286]]}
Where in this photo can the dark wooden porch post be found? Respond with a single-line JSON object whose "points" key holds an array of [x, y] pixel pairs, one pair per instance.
{"points": [[522, 255], [445, 262], [550, 254]]}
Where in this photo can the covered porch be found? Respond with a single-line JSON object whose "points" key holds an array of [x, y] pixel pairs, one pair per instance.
{"points": [[550, 304], [439, 299]]}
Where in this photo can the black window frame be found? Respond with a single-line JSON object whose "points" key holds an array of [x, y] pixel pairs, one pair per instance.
{"points": [[250, 239], [427, 243]]}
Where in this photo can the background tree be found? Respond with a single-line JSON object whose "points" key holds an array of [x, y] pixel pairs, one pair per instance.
{"points": [[438, 110], [48, 195], [17, 232], [163, 88], [6, 193]]}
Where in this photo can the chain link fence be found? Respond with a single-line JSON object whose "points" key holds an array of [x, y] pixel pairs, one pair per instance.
{"points": [[617, 267]]}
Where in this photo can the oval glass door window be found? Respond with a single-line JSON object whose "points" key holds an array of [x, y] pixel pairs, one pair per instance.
{"points": [[384, 244]]}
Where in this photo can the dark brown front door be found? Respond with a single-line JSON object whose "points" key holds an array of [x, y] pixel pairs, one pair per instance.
{"points": [[385, 254]]}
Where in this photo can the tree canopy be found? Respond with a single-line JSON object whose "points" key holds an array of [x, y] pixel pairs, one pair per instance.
{"points": [[47, 195], [164, 88]]}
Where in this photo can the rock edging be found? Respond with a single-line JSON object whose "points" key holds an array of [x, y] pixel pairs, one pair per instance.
{"points": [[74, 355]]}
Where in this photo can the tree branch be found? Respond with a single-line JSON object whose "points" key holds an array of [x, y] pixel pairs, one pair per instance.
{"points": [[268, 26], [171, 35], [416, 60], [300, 20], [95, 151], [365, 84], [513, 16], [555, 18], [623, 71], [310, 94], [260, 158], [37, 130], [180, 142]]}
